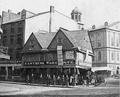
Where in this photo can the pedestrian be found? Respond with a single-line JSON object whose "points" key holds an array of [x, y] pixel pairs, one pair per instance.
{"points": [[32, 78], [58, 80], [54, 80], [41, 77], [63, 80], [28, 79], [71, 80], [67, 80], [48, 79]]}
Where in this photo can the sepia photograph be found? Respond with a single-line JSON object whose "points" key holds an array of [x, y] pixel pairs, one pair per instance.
{"points": [[59, 48]]}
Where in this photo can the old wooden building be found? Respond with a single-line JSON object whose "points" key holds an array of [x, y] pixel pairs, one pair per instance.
{"points": [[56, 53]]}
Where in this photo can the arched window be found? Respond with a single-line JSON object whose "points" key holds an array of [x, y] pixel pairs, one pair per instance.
{"points": [[72, 16], [76, 16], [99, 56], [99, 43]]}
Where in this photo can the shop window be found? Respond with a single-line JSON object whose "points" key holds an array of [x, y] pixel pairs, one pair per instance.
{"points": [[99, 56], [69, 55], [2, 71], [17, 71]]}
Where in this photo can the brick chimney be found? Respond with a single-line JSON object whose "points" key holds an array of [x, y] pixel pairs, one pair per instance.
{"points": [[52, 9], [106, 24], [9, 11], [51, 16]]}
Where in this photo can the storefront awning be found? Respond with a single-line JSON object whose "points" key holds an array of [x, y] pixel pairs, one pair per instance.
{"points": [[5, 56], [56, 66], [84, 67], [100, 69]]}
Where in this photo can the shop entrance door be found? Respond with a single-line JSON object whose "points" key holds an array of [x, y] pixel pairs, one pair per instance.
{"points": [[9, 73]]}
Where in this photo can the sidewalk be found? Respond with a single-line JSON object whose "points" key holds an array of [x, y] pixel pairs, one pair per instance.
{"points": [[7, 89]]}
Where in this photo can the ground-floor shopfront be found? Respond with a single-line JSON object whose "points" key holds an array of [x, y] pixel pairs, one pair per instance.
{"points": [[10, 70], [107, 69], [38, 74]]}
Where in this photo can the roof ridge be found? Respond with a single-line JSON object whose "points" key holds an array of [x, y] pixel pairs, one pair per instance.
{"points": [[114, 23]]}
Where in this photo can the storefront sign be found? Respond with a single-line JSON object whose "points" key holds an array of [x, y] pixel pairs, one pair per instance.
{"points": [[69, 54], [59, 55], [34, 63], [69, 62], [41, 63], [84, 64], [86, 56]]}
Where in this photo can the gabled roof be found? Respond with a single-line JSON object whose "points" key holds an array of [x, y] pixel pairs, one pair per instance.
{"points": [[44, 38], [78, 38]]}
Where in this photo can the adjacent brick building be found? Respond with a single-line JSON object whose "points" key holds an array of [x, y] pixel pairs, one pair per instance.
{"points": [[18, 27], [106, 46]]}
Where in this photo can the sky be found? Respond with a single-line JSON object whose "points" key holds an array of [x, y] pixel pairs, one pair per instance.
{"points": [[94, 12]]}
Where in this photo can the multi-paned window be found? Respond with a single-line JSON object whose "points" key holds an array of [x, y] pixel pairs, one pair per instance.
{"points": [[19, 39], [12, 28], [31, 44], [117, 56], [60, 40], [11, 40], [112, 55], [72, 16], [5, 41]]}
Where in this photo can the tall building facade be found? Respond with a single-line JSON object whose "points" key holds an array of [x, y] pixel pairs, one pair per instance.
{"points": [[18, 27], [106, 46]]}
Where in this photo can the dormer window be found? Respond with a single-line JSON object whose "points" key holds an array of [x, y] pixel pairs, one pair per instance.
{"points": [[31, 45]]}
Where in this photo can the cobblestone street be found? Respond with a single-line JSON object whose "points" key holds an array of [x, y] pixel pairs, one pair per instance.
{"points": [[112, 89]]}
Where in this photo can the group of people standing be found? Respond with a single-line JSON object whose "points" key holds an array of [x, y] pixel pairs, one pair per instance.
{"points": [[64, 79]]}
